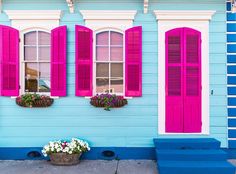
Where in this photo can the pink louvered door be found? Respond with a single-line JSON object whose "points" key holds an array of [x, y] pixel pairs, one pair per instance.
{"points": [[192, 81], [183, 81]]}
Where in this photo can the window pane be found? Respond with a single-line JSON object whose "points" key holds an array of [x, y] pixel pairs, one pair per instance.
{"points": [[102, 53], [117, 85], [31, 76], [44, 70], [117, 70], [30, 38], [117, 53], [44, 53], [30, 53], [102, 38], [102, 70], [116, 38], [44, 85], [102, 85], [44, 38]]}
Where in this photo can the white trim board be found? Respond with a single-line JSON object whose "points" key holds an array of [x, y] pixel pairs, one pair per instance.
{"points": [[168, 20], [29, 20]]}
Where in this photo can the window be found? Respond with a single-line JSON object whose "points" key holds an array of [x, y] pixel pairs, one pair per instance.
{"points": [[109, 62], [36, 61]]}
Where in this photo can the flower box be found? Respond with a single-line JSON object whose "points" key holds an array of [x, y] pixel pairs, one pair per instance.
{"points": [[65, 153], [108, 101], [34, 100], [64, 159]]}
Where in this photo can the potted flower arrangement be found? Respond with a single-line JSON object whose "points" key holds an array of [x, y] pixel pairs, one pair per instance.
{"points": [[64, 152], [34, 100], [108, 101]]}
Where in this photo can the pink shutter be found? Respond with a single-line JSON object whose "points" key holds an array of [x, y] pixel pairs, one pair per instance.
{"points": [[173, 78], [9, 61], [133, 62], [83, 61], [58, 61], [192, 81]]}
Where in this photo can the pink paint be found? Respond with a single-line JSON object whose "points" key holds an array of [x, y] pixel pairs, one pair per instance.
{"points": [[133, 62], [9, 60], [83, 61], [58, 61], [183, 81]]}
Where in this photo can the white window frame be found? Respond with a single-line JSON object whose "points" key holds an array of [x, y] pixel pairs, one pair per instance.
{"points": [[198, 20], [103, 20], [29, 20], [23, 61], [95, 61]]}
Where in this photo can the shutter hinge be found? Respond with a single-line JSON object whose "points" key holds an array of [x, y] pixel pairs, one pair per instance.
{"points": [[19, 40], [19, 86]]}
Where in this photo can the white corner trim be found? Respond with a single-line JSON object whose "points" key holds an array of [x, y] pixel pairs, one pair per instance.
{"points": [[184, 14], [70, 4], [34, 14], [145, 6], [108, 14], [203, 27]]}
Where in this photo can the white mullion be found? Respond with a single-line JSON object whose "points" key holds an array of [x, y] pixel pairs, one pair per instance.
{"points": [[109, 51], [37, 54]]}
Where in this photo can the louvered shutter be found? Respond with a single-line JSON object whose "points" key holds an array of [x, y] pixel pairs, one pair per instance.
{"points": [[192, 81], [9, 61], [83, 61], [173, 78], [58, 61], [133, 62]]}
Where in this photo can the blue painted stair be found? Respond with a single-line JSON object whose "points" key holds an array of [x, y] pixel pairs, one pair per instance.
{"points": [[191, 156]]}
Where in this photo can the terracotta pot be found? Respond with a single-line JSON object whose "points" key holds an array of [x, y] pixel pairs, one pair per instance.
{"points": [[64, 159]]}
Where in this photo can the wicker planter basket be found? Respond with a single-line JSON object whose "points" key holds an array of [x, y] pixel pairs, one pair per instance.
{"points": [[64, 159], [119, 103], [37, 103]]}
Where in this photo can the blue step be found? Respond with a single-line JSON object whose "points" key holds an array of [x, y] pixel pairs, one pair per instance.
{"points": [[195, 167], [187, 143], [191, 155]]}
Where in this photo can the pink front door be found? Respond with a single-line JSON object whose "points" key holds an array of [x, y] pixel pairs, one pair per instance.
{"points": [[183, 81]]}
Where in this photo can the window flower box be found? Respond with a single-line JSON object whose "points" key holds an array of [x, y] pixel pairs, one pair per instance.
{"points": [[108, 101], [65, 153], [34, 100]]}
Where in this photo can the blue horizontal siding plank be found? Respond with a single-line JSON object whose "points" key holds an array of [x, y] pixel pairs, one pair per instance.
{"points": [[231, 69], [232, 133], [231, 58], [231, 48], [232, 112], [228, 6], [231, 90], [231, 17], [231, 37], [231, 80], [232, 122], [232, 143], [218, 111], [231, 101], [231, 27]]}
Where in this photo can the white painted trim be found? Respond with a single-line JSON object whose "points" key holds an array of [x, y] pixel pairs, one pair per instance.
{"points": [[108, 14], [70, 4], [184, 14], [165, 25], [34, 14], [29, 20], [101, 20], [145, 6]]}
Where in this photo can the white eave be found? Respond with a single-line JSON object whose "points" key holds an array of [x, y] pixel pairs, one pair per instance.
{"points": [[34, 14], [108, 14], [184, 14], [71, 5]]}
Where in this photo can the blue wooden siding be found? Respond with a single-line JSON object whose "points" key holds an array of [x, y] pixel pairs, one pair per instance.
{"points": [[231, 71], [134, 125]]}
